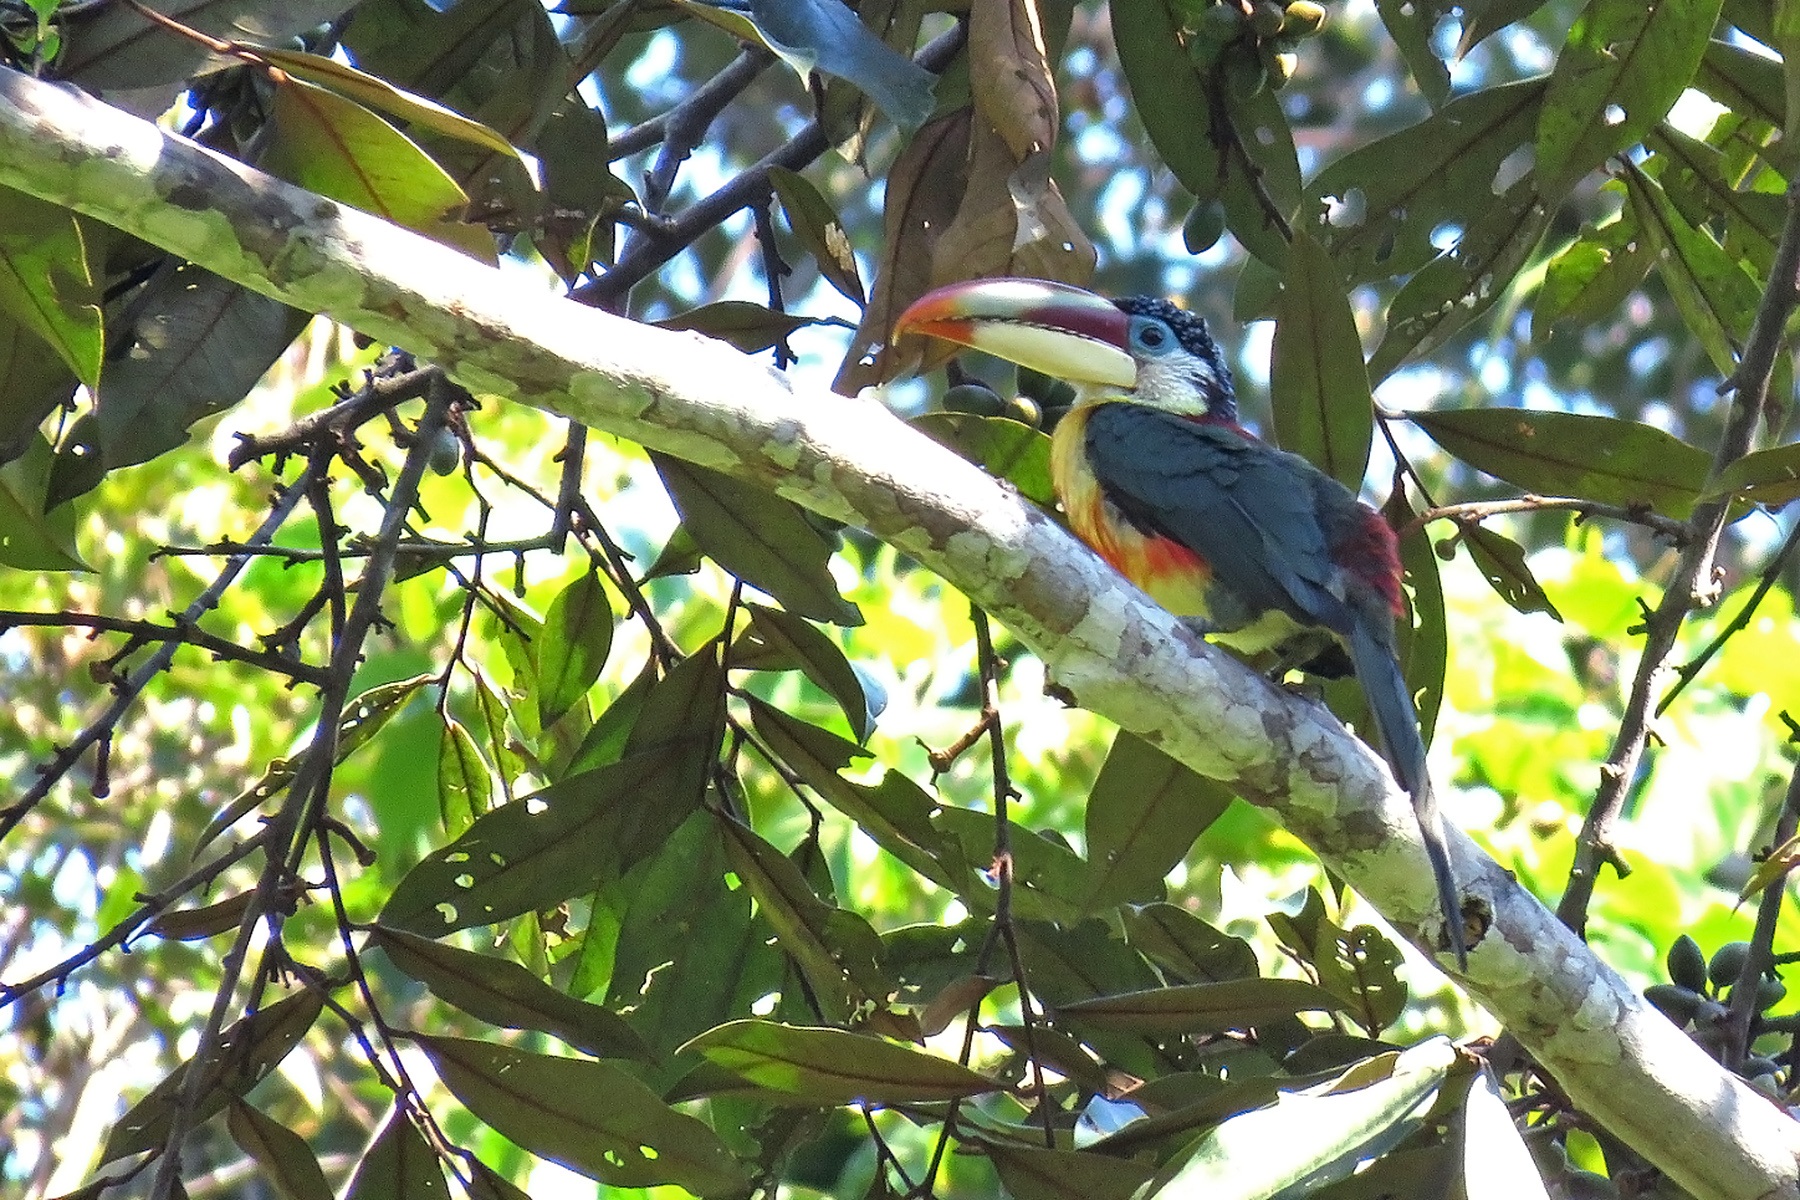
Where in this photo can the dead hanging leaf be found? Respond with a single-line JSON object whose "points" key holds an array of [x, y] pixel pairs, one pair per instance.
{"points": [[1009, 74], [1012, 221], [924, 187], [1048, 243]]}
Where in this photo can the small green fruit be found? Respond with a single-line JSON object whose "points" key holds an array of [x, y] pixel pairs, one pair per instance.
{"points": [[1303, 18], [1687, 965], [1727, 963], [1203, 227]]}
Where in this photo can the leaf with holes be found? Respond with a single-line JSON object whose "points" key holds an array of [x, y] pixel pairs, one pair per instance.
{"points": [[1502, 563], [1604, 459], [1391, 198], [1592, 276], [835, 1066], [1717, 296], [1624, 65], [540, 850], [835, 948], [591, 1117], [247, 1052], [399, 1162], [819, 229]]}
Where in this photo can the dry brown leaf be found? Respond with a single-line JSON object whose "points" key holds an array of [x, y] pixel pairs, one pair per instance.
{"points": [[923, 191], [1010, 76]]}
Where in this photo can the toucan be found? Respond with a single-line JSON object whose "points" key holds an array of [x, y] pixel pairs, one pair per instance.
{"points": [[1258, 547]]}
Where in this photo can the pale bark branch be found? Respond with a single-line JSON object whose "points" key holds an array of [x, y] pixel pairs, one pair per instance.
{"points": [[1123, 657]]}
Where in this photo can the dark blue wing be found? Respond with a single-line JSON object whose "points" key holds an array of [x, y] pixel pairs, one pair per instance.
{"points": [[1250, 510]]}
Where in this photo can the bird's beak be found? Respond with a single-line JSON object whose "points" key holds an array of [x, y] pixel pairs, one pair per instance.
{"points": [[1052, 328]]}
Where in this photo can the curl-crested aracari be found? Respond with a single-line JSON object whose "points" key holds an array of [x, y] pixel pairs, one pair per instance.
{"points": [[1155, 473]]}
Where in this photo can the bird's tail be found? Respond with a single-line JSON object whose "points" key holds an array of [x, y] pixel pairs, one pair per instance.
{"points": [[1390, 703]]}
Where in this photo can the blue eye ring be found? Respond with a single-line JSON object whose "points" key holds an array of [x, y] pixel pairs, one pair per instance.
{"points": [[1152, 336]]}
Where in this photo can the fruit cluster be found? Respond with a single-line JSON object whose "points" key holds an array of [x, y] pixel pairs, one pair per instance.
{"points": [[1250, 42]]}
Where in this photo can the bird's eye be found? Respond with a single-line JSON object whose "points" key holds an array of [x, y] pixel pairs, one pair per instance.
{"points": [[1151, 336]]}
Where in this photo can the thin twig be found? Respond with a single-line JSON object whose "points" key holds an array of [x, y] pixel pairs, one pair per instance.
{"points": [[1693, 584], [1686, 672], [647, 254], [1480, 510], [288, 830], [1761, 956], [144, 632], [127, 691]]}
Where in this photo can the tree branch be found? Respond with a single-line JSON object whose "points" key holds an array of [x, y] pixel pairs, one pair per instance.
{"points": [[853, 461]]}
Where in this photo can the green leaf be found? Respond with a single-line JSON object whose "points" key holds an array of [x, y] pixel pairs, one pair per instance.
{"points": [[835, 1066], [30, 538], [1694, 176], [835, 948], [1318, 385], [1604, 459], [1034, 1173], [465, 788], [1748, 83], [1624, 65], [572, 648], [334, 146], [539, 850], [1008, 449], [606, 738], [247, 1052], [1143, 815], [399, 1163], [1484, 18], [1359, 966], [1502, 563], [764, 540], [283, 1159], [1323, 1132], [1262, 173], [1049, 879], [1425, 634], [197, 344], [372, 91], [1187, 948], [1592, 277], [46, 285], [1169, 98], [819, 657], [591, 1117], [1392, 196], [364, 716], [504, 993], [817, 226], [1412, 23], [1202, 1007], [749, 327], [1716, 296], [1770, 477], [1465, 281], [32, 385]]}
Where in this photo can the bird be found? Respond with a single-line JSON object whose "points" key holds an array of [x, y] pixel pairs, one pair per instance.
{"points": [[1154, 470]]}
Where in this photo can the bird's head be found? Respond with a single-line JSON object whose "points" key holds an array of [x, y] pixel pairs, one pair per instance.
{"points": [[1142, 346]]}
